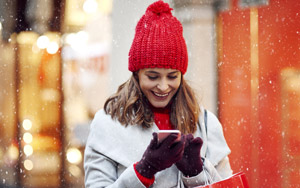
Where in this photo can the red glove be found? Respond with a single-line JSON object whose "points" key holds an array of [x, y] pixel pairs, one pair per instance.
{"points": [[159, 156], [191, 163]]}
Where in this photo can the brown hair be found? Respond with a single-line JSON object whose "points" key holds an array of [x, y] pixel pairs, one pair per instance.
{"points": [[130, 107]]}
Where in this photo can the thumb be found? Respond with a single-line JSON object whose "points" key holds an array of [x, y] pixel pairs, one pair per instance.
{"points": [[197, 141]]}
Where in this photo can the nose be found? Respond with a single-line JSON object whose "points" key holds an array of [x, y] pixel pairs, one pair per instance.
{"points": [[163, 85]]}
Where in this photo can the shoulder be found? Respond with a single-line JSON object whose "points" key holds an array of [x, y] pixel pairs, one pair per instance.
{"points": [[213, 124], [103, 121], [102, 124], [104, 127], [101, 115], [217, 147]]}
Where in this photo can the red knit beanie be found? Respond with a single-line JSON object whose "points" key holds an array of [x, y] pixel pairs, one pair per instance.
{"points": [[158, 41]]}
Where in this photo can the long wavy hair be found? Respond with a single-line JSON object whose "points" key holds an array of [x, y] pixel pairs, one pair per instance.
{"points": [[130, 106]]}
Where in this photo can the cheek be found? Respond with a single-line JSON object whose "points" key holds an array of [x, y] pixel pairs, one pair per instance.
{"points": [[142, 88], [146, 86], [176, 85]]}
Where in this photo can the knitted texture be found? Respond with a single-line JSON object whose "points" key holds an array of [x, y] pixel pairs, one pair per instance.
{"points": [[158, 41]]}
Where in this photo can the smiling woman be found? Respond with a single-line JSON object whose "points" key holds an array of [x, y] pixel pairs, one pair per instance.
{"points": [[123, 148]]}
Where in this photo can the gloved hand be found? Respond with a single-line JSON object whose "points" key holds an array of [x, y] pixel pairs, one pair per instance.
{"points": [[159, 156], [191, 163]]}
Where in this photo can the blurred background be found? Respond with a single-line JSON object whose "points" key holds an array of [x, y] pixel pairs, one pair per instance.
{"points": [[60, 60]]}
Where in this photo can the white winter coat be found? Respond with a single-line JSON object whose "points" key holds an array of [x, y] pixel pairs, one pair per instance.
{"points": [[112, 149]]}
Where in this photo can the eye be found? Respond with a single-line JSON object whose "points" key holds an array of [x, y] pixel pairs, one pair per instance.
{"points": [[152, 77], [172, 77]]}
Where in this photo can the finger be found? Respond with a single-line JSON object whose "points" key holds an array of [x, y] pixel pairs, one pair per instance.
{"points": [[178, 147], [197, 140], [178, 156], [197, 144], [183, 138], [170, 139], [189, 137], [154, 140]]}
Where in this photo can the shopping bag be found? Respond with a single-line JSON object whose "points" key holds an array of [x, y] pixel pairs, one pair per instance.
{"points": [[237, 180]]}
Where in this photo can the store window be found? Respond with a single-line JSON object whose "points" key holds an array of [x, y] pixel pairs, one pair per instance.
{"points": [[51, 85]]}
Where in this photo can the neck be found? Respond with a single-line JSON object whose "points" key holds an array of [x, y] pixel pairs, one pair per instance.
{"points": [[164, 110]]}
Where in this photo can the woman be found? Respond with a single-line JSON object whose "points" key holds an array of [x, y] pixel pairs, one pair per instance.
{"points": [[123, 148]]}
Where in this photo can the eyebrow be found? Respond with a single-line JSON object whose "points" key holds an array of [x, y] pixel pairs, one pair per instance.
{"points": [[154, 72]]}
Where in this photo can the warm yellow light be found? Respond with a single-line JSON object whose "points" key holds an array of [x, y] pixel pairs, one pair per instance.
{"points": [[43, 42], [82, 36], [27, 137], [28, 150], [13, 152], [78, 40], [74, 156], [27, 124], [90, 6], [28, 165], [75, 171], [105, 6], [69, 38], [1, 155], [35, 48], [52, 48]]}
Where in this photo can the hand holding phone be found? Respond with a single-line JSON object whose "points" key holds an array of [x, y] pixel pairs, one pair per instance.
{"points": [[158, 157], [162, 134]]}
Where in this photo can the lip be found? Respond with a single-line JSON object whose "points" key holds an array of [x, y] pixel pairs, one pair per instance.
{"points": [[161, 96]]}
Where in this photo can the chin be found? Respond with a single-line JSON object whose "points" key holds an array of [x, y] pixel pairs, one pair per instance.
{"points": [[159, 105]]}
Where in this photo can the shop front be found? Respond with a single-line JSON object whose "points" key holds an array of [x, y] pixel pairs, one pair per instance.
{"points": [[258, 64]]}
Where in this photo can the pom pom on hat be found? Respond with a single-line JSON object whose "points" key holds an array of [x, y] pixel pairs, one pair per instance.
{"points": [[159, 7], [158, 41]]}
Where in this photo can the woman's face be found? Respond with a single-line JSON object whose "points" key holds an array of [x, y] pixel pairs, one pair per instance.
{"points": [[159, 85]]}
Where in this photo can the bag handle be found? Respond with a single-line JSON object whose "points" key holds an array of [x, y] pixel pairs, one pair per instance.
{"points": [[205, 124], [205, 121], [208, 178]]}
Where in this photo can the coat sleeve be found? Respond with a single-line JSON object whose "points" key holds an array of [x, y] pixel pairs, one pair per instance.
{"points": [[101, 171]]}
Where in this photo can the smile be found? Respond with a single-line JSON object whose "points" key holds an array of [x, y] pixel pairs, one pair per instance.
{"points": [[161, 95]]}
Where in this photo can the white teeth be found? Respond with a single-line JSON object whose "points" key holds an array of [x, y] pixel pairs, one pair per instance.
{"points": [[161, 95]]}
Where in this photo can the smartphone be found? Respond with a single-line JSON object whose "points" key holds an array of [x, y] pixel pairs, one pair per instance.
{"points": [[162, 134]]}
